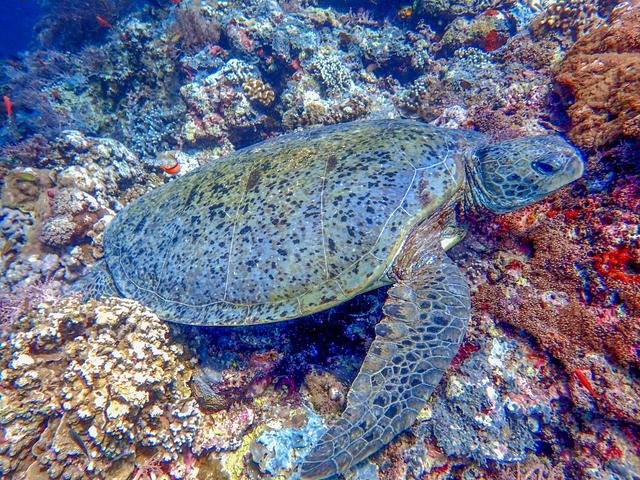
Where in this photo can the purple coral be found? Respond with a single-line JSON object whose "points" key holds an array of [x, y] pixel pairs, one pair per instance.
{"points": [[21, 301]]}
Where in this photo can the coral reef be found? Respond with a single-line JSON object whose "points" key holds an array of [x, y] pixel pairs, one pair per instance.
{"points": [[489, 408], [91, 389], [489, 31], [455, 8], [259, 92], [59, 14], [54, 212], [217, 388], [571, 18], [567, 277], [278, 449], [465, 91], [546, 382], [600, 77], [194, 29], [220, 102]]}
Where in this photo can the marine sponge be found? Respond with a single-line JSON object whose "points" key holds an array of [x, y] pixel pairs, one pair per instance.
{"points": [[88, 390], [600, 77]]}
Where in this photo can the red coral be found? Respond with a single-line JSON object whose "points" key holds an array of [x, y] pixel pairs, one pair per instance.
{"points": [[616, 264], [493, 41], [465, 351]]}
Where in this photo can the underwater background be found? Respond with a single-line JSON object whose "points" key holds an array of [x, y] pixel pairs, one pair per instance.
{"points": [[105, 100]]}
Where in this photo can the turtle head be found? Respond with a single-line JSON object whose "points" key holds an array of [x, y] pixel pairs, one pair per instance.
{"points": [[514, 173]]}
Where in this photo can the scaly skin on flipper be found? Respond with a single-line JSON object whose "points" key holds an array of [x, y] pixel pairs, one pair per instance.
{"points": [[425, 317]]}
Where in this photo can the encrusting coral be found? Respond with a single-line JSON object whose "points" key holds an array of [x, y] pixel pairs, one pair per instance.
{"points": [[557, 277], [600, 79]]}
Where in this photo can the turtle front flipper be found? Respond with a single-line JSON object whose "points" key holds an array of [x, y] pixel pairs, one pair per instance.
{"points": [[425, 316]]}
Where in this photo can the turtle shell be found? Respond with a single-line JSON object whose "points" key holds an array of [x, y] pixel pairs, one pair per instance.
{"points": [[286, 227]]}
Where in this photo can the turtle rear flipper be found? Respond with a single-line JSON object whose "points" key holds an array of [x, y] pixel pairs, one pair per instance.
{"points": [[97, 283], [425, 317]]}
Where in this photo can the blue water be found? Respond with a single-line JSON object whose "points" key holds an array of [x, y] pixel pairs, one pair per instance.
{"points": [[16, 24]]}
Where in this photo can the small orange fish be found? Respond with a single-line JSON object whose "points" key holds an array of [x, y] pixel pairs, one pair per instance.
{"points": [[405, 13], [103, 22], [8, 106], [171, 170]]}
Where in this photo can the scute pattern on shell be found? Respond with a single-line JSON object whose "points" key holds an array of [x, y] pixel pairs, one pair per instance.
{"points": [[286, 227]]}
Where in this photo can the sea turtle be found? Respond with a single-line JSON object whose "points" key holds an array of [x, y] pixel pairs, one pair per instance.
{"points": [[305, 221]]}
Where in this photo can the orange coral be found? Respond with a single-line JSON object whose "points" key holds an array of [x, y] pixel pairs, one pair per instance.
{"points": [[601, 77], [560, 278]]}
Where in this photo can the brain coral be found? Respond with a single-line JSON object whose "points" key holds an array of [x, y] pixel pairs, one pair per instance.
{"points": [[92, 391], [601, 78]]}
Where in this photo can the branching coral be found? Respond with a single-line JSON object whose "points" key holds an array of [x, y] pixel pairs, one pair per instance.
{"points": [[600, 78]]}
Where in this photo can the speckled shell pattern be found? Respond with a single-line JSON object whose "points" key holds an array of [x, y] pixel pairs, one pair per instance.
{"points": [[286, 227]]}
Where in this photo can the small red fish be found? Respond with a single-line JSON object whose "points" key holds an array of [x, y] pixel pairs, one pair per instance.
{"points": [[103, 22], [586, 383], [175, 2], [171, 170], [8, 106]]}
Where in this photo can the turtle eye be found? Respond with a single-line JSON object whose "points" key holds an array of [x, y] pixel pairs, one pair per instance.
{"points": [[543, 167]]}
